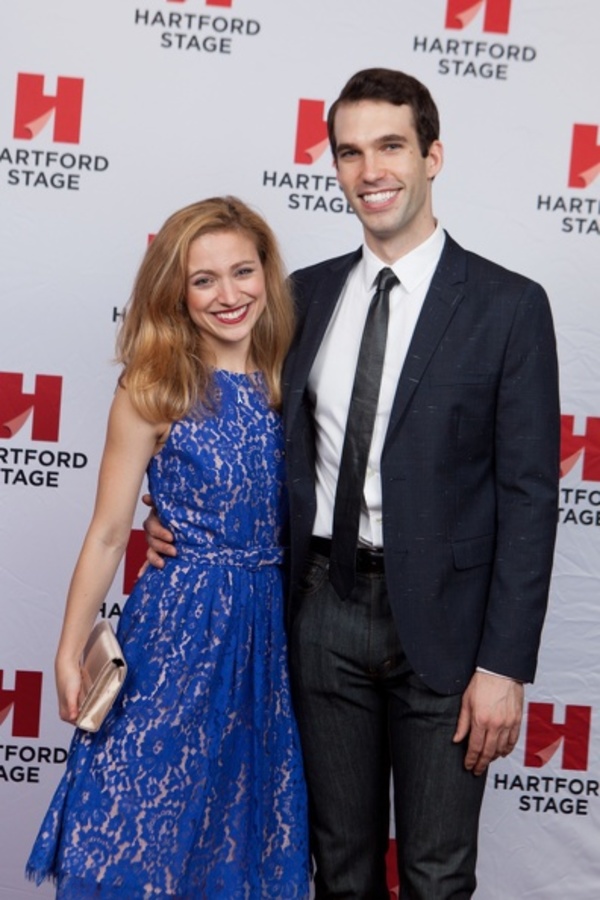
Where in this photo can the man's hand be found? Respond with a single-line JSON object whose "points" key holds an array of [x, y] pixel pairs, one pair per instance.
{"points": [[160, 540], [491, 713]]}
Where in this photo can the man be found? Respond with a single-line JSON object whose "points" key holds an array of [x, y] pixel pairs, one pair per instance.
{"points": [[412, 656]]}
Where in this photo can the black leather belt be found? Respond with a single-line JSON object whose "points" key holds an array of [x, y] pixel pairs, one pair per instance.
{"points": [[368, 561]]}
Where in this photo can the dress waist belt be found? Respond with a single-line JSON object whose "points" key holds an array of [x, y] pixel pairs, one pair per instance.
{"points": [[247, 558]]}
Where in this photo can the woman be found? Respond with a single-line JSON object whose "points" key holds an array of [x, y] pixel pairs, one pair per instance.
{"points": [[193, 786]]}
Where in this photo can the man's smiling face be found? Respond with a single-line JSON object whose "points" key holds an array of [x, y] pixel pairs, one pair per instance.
{"points": [[384, 175]]}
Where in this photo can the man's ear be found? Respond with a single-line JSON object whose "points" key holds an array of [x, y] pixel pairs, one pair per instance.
{"points": [[435, 159]]}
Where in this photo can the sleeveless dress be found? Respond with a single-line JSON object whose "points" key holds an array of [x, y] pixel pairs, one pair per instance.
{"points": [[193, 787]]}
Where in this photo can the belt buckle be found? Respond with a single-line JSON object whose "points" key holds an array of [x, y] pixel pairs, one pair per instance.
{"points": [[369, 561]]}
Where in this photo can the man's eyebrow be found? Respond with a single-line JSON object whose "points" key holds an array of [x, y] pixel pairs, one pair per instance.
{"points": [[383, 139], [396, 138]]}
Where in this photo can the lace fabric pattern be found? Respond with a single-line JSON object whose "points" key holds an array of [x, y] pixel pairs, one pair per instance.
{"points": [[193, 788]]}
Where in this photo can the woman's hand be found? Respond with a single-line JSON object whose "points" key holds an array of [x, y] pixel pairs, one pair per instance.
{"points": [[68, 688]]}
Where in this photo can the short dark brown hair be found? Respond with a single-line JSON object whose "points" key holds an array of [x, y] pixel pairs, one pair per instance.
{"points": [[394, 87]]}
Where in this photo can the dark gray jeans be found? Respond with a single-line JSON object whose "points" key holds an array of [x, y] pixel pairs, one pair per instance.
{"points": [[361, 710]]}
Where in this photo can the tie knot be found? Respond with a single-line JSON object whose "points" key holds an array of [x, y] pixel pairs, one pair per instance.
{"points": [[386, 280]]}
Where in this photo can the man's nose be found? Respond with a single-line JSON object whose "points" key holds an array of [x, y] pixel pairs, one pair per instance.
{"points": [[372, 168]]}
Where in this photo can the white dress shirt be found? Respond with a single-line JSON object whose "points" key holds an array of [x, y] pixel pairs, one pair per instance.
{"points": [[332, 375]]}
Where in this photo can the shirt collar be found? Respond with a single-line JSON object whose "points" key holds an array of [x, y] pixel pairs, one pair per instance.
{"points": [[411, 269]]}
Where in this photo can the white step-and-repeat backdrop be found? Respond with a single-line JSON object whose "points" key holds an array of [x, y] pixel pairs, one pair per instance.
{"points": [[112, 115]]}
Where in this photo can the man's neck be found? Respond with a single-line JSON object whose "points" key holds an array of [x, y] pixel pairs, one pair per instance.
{"points": [[389, 250]]}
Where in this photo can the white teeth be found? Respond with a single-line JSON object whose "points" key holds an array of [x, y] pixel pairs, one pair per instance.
{"points": [[380, 197], [233, 314]]}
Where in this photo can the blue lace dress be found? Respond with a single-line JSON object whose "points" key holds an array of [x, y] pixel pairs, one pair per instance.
{"points": [[193, 787]]}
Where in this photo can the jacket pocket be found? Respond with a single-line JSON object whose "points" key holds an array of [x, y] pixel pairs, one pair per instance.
{"points": [[457, 378]]}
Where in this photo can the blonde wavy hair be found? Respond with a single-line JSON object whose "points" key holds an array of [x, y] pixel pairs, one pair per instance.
{"points": [[166, 366]]}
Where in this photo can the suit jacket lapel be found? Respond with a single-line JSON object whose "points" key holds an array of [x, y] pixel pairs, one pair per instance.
{"points": [[319, 310], [443, 299]]}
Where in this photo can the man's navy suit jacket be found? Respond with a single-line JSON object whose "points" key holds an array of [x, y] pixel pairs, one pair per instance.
{"points": [[469, 468]]}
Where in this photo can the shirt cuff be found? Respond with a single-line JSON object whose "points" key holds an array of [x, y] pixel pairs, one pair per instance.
{"points": [[497, 675]]}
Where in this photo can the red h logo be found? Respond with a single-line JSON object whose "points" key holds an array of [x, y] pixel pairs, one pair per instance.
{"points": [[311, 131], [15, 406], [25, 701], [391, 862], [544, 736], [135, 557], [573, 446], [34, 108], [496, 18], [585, 156]]}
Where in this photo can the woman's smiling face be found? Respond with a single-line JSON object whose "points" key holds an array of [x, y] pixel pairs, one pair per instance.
{"points": [[226, 292]]}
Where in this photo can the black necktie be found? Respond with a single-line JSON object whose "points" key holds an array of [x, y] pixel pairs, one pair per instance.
{"points": [[357, 440]]}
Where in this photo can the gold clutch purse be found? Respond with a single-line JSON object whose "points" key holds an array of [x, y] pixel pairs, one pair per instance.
{"points": [[103, 671]]}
